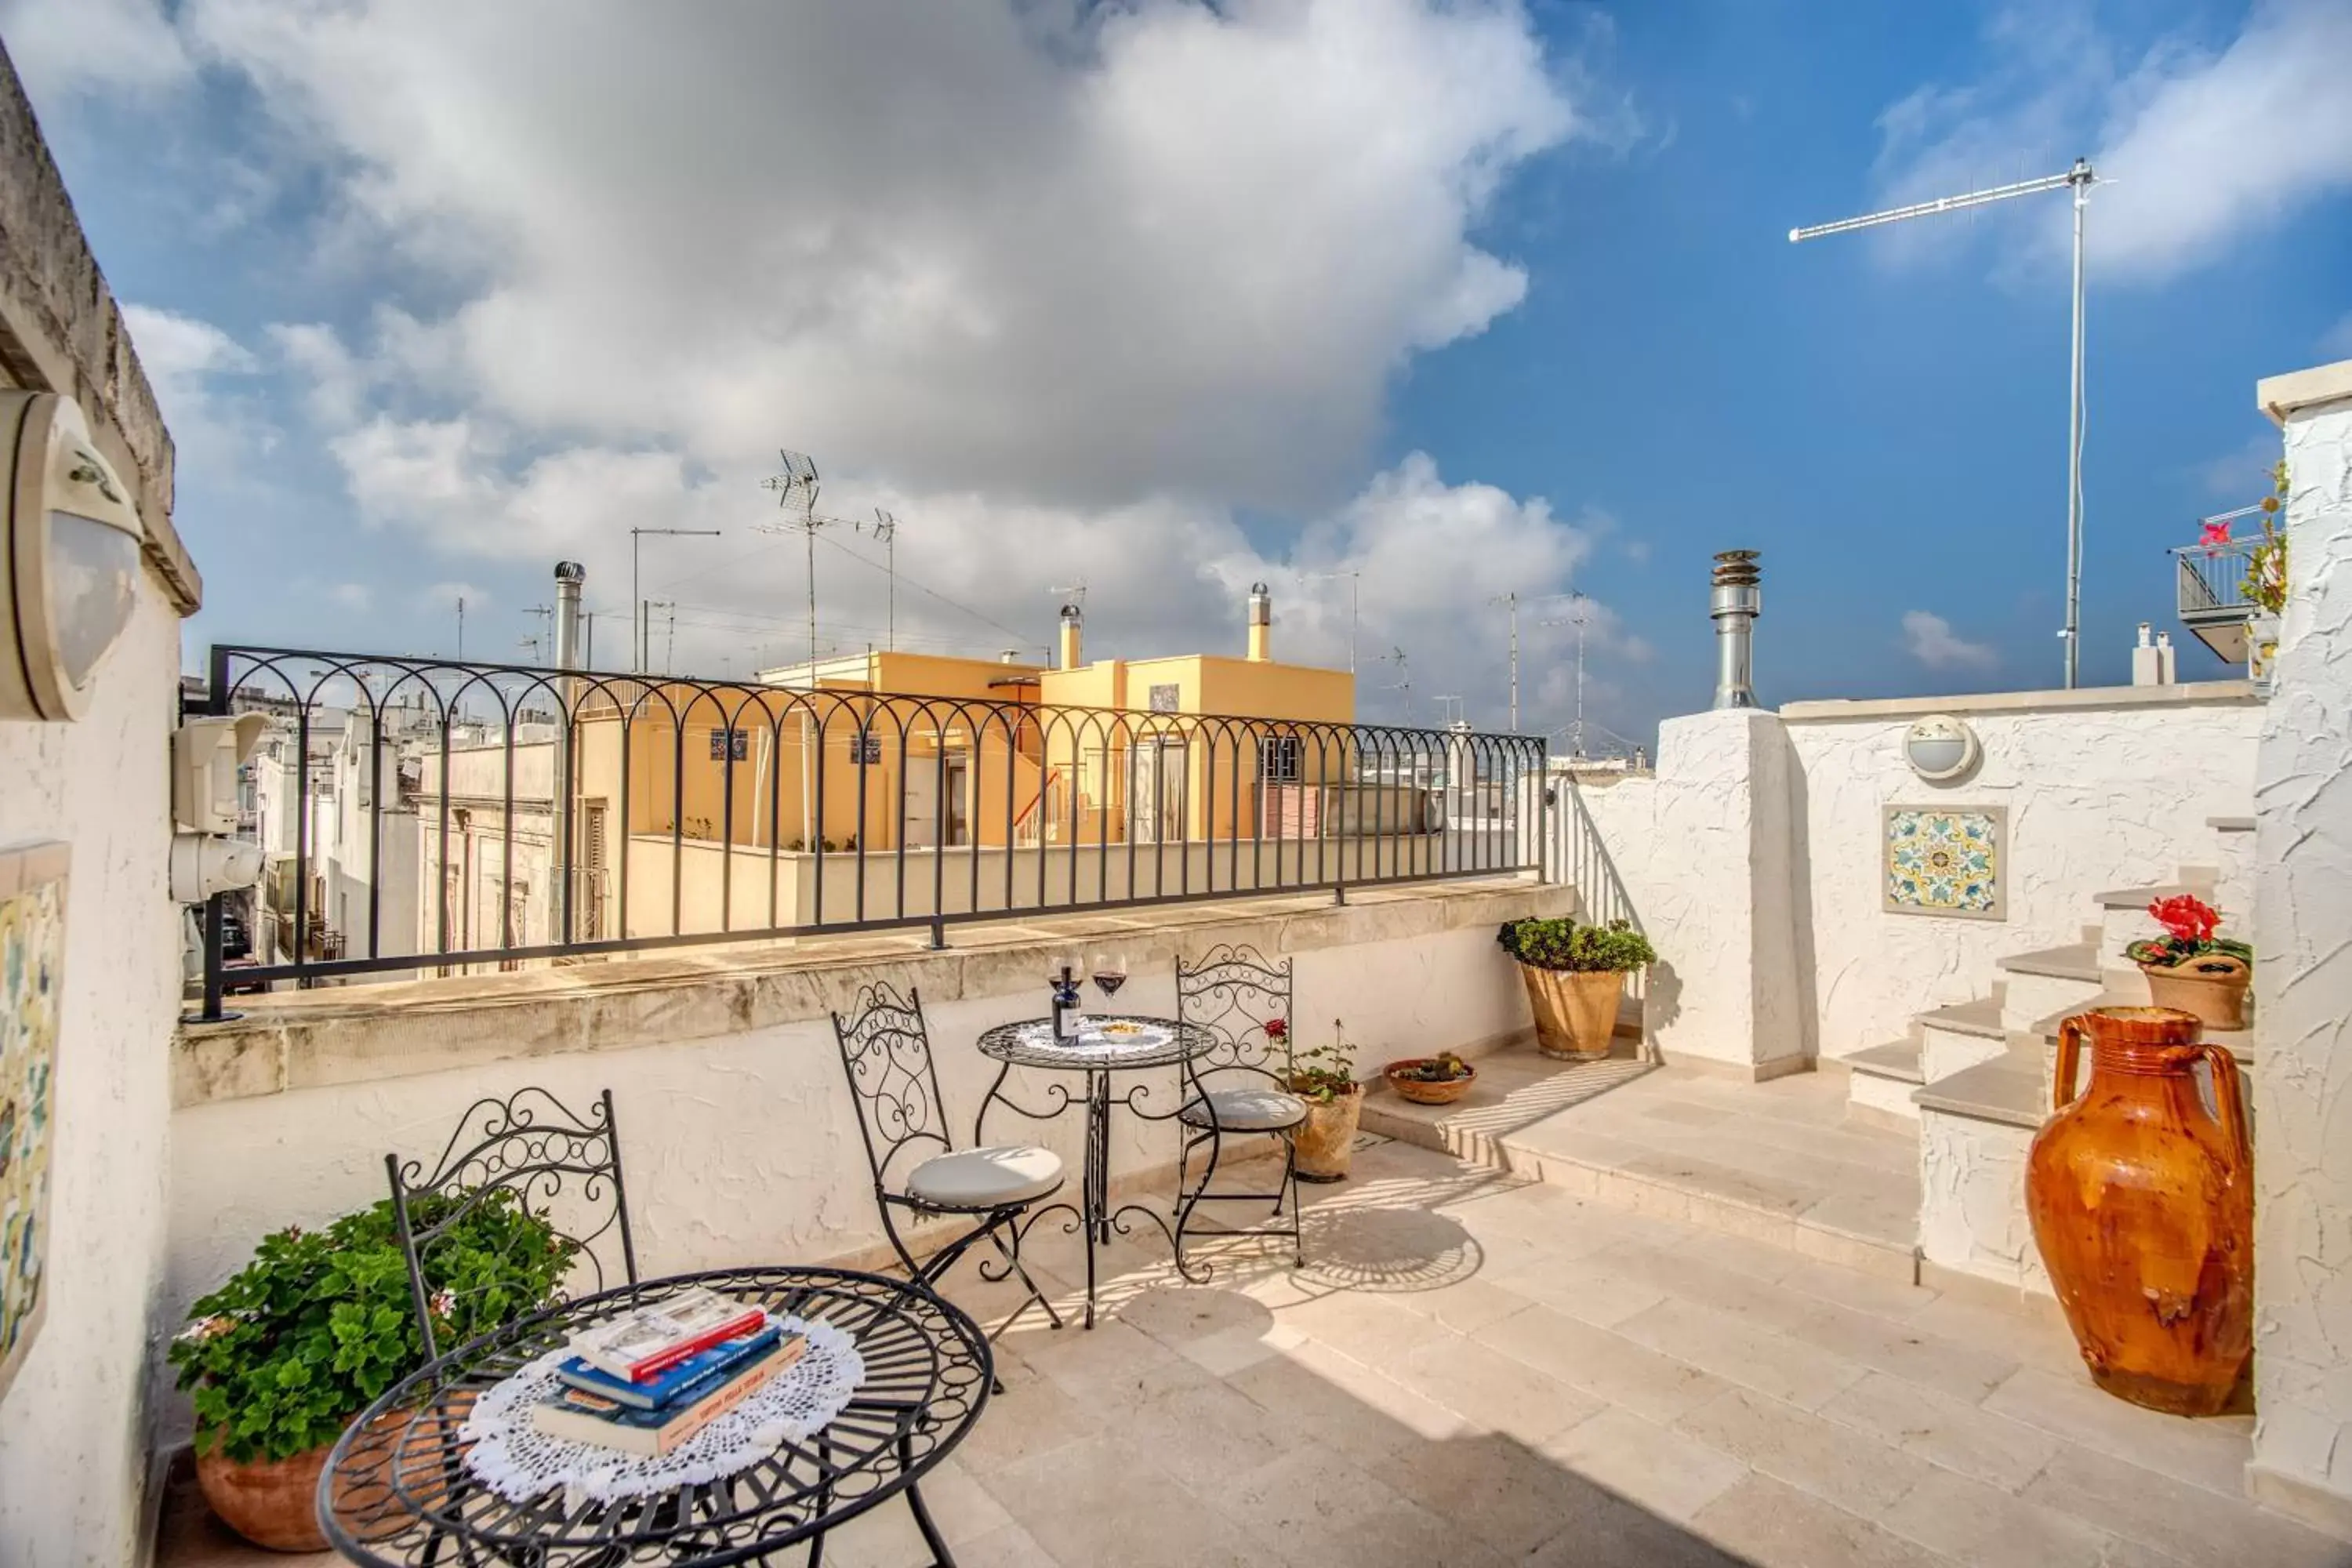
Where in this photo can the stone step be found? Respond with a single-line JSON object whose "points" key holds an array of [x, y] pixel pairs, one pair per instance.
{"points": [[1879, 1084], [1684, 1143], [1974, 1129], [2049, 980], [1954, 1038]]}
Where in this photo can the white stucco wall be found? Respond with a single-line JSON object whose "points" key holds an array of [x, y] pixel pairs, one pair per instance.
{"points": [[744, 1148], [2097, 798], [73, 1427], [2302, 985]]}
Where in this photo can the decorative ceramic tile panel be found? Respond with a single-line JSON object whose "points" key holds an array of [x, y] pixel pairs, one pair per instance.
{"points": [[1945, 861]]}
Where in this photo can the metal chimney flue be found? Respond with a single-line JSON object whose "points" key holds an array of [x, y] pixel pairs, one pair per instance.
{"points": [[1737, 599]]}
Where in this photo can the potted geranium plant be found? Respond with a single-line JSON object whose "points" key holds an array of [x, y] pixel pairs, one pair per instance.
{"points": [[1574, 975], [283, 1356], [2190, 968], [1440, 1079], [1325, 1077]]}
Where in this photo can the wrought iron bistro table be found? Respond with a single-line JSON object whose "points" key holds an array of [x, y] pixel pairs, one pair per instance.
{"points": [[1104, 1047], [396, 1491]]}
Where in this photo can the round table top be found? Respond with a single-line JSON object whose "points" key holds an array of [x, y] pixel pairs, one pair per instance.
{"points": [[1107, 1041], [395, 1491]]}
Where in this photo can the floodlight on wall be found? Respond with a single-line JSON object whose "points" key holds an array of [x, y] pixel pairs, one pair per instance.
{"points": [[68, 557], [1940, 748]]}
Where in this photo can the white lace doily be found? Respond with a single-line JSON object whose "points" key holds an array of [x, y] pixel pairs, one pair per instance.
{"points": [[514, 1459], [1091, 1043]]}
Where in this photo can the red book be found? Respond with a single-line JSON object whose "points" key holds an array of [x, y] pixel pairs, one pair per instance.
{"points": [[653, 1339]]}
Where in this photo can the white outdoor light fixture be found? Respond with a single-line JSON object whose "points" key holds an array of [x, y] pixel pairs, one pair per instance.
{"points": [[1940, 748], [68, 557]]}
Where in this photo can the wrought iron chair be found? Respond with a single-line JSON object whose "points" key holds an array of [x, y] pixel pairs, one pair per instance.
{"points": [[530, 1145], [1242, 1084], [886, 1048]]}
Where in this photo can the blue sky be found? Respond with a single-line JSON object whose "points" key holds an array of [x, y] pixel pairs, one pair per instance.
{"points": [[1467, 298]]}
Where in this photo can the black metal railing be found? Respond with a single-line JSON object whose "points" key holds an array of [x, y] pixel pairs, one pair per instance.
{"points": [[466, 815]]}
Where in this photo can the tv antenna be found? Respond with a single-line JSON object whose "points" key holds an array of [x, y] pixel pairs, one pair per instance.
{"points": [[2080, 180], [1579, 612], [796, 489], [640, 625], [1449, 706], [884, 528], [1075, 593]]}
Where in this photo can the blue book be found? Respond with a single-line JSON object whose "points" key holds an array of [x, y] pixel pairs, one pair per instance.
{"points": [[695, 1375]]}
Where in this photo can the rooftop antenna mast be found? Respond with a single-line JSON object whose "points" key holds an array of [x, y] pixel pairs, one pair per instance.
{"points": [[886, 529], [2079, 179], [1579, 613], [1355, 591], [640, 626], [796, 489]]}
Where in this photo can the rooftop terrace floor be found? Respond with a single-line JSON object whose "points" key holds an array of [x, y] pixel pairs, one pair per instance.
{"points": [[1476, 1369]]}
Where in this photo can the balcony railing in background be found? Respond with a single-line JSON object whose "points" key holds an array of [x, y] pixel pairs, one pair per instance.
{"points": [[2212, 581], [524, 814]]}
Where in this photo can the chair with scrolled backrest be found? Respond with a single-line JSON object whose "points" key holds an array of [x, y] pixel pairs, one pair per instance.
{"points": [[534, 1151], [886, 1049], [1243, 1083]]}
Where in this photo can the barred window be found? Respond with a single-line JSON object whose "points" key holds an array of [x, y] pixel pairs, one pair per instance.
{"points": [[1278, 759]]}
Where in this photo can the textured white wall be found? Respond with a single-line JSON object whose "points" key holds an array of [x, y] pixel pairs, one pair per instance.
{"points": [[1704, 853], [73, 1430], [2302, 987], [2097, 798], [744, 1148]]}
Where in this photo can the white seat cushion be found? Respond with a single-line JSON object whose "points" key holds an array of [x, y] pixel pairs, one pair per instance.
{"points": [[985, 1178], [1247, 1111]]}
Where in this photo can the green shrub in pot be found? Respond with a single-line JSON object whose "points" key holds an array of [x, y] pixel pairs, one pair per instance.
{"points": [[1574, 975]]}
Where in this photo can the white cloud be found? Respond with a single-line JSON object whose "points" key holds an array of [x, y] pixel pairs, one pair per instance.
{"points": [[1929, 638], [2208, 147], [203, 383], [92, 46], [1165, 248]]}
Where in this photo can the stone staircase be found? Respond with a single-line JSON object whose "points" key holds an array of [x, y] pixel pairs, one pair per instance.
{"points": [[1975, 1079]]}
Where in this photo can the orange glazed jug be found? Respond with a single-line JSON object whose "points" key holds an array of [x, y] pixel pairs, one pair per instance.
{"points": [[2143, 1206]]}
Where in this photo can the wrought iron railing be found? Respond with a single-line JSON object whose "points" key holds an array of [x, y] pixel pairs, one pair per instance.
{"points": [[525, 814]]}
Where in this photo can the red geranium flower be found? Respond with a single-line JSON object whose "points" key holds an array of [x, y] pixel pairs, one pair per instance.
{"points": [[2215, 533], [2188, 917], [1275, 1028]]}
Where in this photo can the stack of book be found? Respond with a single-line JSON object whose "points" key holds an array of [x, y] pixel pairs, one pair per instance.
{"points": [[646, 1381]]}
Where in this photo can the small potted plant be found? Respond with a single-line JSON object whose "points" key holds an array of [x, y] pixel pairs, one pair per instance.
{"points": [[1574, 975], [2190, 968], [284, 1356], [1440, 1079], [1325, 1077]]}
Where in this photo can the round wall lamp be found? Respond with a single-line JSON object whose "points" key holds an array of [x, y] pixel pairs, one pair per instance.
{"points": [[68, 557], [1940, 748]]}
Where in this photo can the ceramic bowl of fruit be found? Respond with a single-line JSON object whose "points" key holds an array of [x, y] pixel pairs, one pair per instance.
{"points": [[1440, 1079]]}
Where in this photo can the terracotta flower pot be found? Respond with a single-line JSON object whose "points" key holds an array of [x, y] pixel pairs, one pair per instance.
{"points": [[2143, 1206], [270, 1503], [1428, 1092], [1576, 1010], [1324, 1141], [2212, 986]]}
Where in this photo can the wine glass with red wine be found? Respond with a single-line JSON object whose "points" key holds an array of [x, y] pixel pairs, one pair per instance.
{"points": [[1110, 973]]}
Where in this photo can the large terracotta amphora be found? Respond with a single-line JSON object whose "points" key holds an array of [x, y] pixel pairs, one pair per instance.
{"points": [[2142, 1202]]}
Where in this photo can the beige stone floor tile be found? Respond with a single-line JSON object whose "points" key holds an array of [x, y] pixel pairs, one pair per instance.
{"points": [[1203, 1433], [1290, 1508], [1605, 1365], [1765, 1260], [1885, 1216], [1497, 1490], [1620, 1534], [2192, 1525], [1742, 1353], [1903, 1351], [1953, 1433], [1399, 1532], [1230, 1349], [1851, 1288], [1345, 1405], [1688, 1274], [1030, 1417], [1585, 1290], [1107, 1500], [1009, 1546], [1837, 1464], [1111, 1365], [1369, 1326], [1987, 1527], [1490, 1391], [1466, 1306], [1720, 1180], [886, 1536], [1667, 1472], [2034, 1340], [1770, 1524], [2210, 1453], [1176, 1314]]}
